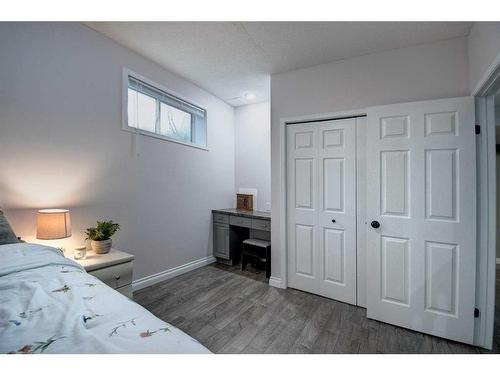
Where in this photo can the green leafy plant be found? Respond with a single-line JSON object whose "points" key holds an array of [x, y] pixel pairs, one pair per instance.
{"points": [[103, 231]]}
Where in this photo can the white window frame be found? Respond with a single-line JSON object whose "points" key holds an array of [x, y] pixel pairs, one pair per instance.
{"points": [[126, 73]]}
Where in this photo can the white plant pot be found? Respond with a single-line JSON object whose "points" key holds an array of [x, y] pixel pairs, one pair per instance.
{"points": [[101, 247]]}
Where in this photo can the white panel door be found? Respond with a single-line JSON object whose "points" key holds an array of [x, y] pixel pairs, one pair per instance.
{"points": [[302, 206], [321, 208], [421, 189]]}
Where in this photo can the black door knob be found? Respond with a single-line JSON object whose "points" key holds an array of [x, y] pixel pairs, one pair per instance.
{"points": [[333, 220], [375, 224]]}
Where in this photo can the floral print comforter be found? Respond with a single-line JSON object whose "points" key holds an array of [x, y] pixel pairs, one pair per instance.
{"points": [[49, 304]]}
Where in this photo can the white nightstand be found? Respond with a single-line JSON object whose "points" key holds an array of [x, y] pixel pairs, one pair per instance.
{"points": [[114, 269]]}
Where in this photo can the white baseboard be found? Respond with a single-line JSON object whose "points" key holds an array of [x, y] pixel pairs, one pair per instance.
{"points": [[275, 281], [172, 272]]}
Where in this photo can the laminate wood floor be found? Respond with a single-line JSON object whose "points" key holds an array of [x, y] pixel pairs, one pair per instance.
{"points": [[230, 311]]}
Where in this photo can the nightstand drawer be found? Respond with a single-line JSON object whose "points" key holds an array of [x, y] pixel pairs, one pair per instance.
{"points": [[126, 291], [115, 276]]}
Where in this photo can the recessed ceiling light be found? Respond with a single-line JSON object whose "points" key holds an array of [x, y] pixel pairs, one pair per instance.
{"points": [[249, 96]]}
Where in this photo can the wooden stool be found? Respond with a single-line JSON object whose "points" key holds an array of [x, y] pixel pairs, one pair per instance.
{"points": [[259, 250]]}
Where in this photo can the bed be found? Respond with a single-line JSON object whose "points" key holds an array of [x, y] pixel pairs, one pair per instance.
{"points": [[49, 304]]}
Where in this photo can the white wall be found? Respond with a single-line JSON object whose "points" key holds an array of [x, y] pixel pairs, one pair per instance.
{"points": [[431, 71], [61, 145], [484, 48], [253, 150]]}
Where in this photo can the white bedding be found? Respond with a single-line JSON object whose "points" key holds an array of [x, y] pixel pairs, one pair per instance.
{"points": [[49, 304]]}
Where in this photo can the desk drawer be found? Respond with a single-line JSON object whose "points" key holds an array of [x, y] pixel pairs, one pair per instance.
{"points": [[261, 224], [221, 218], [115, 276], [240, 221]]}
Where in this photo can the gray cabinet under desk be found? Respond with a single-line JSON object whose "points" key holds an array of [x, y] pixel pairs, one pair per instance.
{"points": [[232, 226]]}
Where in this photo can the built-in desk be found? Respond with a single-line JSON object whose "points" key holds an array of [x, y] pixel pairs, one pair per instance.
{"points": [[232, 226]]}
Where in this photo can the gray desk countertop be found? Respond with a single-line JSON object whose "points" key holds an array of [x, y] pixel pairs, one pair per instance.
{"points": [[250, 214]]}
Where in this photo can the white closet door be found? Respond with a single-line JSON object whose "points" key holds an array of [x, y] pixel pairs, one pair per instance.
{"points": [[421, 188], [337, 209], [302, 206], [321, 208]]}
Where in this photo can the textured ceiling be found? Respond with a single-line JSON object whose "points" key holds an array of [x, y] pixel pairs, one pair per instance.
{"points": [[230, 59]]}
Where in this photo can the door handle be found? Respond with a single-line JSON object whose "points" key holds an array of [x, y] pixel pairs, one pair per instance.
{"points": [[333, 220], [375, 224]]}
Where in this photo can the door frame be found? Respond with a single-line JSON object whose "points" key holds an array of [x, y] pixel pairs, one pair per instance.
{"points": [[486, 205], [282, 282]]}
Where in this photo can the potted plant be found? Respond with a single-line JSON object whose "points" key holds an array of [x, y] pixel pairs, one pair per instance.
{"points": [[100, 236]]}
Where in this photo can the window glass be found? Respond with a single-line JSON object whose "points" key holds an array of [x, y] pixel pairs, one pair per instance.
{"points": [[175, 123], [163, 115], [132, 108]]}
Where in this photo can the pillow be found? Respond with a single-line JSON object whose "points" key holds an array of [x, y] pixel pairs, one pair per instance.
{"points": [[6, 234]]}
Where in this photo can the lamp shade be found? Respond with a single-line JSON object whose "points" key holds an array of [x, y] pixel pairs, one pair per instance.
{"points": [[53, 224]]}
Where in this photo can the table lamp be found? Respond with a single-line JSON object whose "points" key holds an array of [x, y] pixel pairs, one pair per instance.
{"points": [[53, 224]]}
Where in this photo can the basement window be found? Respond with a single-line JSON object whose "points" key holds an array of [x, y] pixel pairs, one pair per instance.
{"points": [[151, 110]]}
